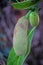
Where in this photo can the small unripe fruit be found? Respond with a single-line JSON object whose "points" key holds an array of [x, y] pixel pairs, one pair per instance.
{"points": [[34, 18], [20, 36]]}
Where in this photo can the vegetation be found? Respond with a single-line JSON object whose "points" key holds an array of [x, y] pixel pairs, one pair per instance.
{"points": [[22, 40]]}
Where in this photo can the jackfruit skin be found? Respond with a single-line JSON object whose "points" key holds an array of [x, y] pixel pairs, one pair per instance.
{"points": [[34, 19], [20, 36]]}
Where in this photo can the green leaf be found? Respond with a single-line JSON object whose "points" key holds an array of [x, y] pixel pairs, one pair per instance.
{"points": [[24, 4], [21, 60], [30, 37], [13, 59]]}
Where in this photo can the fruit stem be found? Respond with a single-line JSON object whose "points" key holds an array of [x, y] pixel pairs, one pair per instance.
{"points": [[27, 15]]}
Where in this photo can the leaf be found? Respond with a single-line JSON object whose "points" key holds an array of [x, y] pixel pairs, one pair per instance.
{"points": [[13, 59], [30, 37], [24, 4], [28, 32], [21, 60]]}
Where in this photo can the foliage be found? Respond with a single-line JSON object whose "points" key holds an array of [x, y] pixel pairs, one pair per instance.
{"points": [[14, 59]]}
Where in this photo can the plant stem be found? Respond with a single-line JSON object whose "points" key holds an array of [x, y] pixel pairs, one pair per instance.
{"points": [[27, 15]]}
